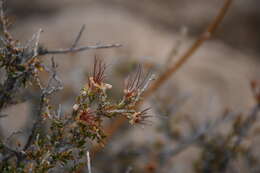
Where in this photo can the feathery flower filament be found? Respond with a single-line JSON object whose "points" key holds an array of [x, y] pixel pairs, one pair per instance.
{"points": [[87, 117], [134, 83], [139, 117], [96, 81]]}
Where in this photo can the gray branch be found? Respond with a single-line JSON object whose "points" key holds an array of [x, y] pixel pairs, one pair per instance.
{"points": [[77, 49]]}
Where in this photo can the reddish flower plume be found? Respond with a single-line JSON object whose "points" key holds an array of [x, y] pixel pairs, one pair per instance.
{"points": [[134, 83], [140, 117], [98, 76], [99, 71], [87, 117]]}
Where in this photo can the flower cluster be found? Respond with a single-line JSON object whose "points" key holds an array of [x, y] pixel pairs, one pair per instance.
{"points": [[134, 84], [139, 117], [68, 136], [96, 81], [57, 139], [93, 104]]}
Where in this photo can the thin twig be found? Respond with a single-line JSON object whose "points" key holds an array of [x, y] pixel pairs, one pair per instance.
{"points": [[73, 48], [77, 49], [45, 92], [2, 16], [28, 42], [89, 162], [78, 36], [36, 47]]}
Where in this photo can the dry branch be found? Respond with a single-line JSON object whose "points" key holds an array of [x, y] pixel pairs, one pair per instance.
{"points": [[77, 49]]}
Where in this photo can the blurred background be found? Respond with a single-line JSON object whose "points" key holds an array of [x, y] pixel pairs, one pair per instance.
{"points": [[153, 33]]}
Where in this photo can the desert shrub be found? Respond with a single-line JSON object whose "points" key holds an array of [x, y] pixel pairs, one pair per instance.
{"points": [[62, 141], [56, 139]]}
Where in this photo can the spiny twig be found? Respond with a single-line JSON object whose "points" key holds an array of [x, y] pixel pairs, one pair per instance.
{"points": [[50, 89]]}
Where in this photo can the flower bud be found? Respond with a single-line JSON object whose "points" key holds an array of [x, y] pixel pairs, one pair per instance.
{"points": [[75, 107], [107, 86], [84, 93]]}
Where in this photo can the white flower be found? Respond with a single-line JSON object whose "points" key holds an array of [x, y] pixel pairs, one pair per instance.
{"points": [[75, 107], [107, 86], [84, 93]]}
